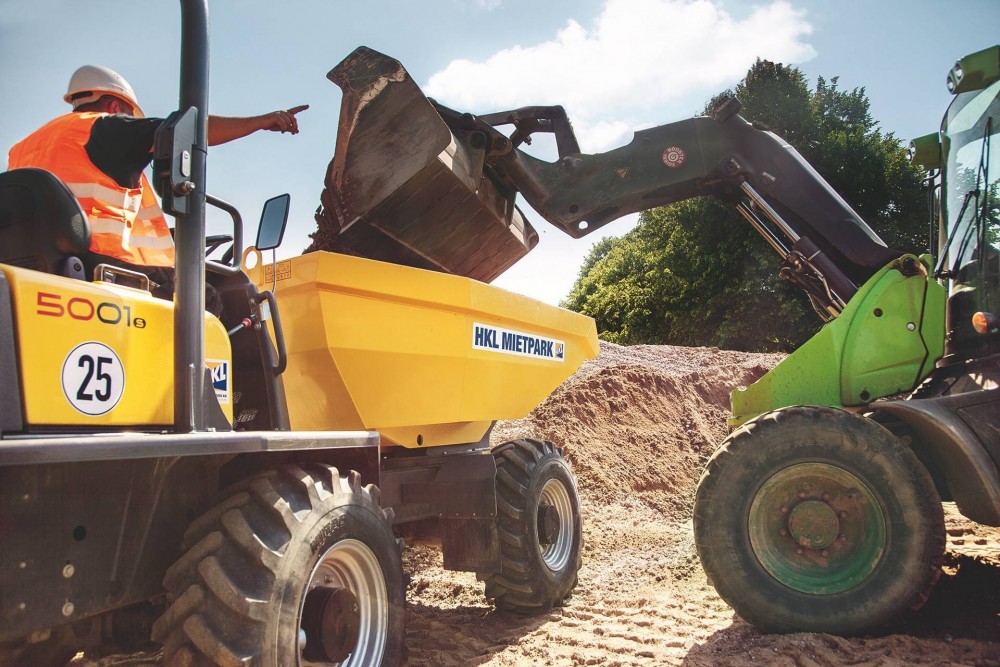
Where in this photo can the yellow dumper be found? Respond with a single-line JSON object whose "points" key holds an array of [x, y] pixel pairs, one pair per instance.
{"points": [[425, 358], [278, 445], [430, 361], [351, 397]]}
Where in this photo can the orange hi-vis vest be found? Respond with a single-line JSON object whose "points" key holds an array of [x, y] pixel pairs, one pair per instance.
{"points": [[125, 223]]}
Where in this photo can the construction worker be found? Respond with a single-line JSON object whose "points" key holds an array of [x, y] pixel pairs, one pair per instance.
{"points": [[100, 150]]}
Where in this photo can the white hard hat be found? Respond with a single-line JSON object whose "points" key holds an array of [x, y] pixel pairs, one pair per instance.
{"points": [[99, 81]]}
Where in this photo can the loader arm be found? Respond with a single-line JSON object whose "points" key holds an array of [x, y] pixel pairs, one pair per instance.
{"points": [[826, 246], [415, 182]]}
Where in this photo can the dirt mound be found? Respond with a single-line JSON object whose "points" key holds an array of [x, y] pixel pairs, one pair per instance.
{"points": [[639, 422]]}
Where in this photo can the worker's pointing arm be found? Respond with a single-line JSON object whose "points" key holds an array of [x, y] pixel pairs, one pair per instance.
{"points": [[222, 129]]}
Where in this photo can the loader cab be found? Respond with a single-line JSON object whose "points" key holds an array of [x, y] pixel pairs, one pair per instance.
{"points": [[970, 220]]}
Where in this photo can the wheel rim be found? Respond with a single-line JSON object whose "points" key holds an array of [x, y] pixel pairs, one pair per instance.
{"points": [[349, 569], [556, 554], [817, 528]]}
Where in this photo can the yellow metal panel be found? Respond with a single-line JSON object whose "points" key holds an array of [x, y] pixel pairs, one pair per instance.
{"points": [[381, 346], [95, 354]]}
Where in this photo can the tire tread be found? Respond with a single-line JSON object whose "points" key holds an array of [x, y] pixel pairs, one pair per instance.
{"points": [[221, 587]]}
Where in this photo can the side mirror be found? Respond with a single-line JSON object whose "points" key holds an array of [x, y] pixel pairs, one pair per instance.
{"points": [[272, 222], [925, 151]]}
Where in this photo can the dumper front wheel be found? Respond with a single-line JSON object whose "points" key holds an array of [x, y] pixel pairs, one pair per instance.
{"points": [[297, 566], [812, 519], [540, 527]]}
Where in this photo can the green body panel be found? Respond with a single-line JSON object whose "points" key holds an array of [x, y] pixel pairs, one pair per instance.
{"points": [[885, 341]]}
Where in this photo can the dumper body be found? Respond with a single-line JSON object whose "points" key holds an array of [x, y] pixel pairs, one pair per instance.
{"points": [[425, 358]]}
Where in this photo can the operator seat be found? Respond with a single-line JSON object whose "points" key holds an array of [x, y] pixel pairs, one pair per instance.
{"points": [[42, 226]]}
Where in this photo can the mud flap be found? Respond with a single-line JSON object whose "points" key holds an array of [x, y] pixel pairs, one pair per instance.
{"points": [[460, 490], [470, 544]]}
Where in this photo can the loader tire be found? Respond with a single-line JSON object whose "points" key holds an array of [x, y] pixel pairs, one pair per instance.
{"points": [[297, 566], [540, 529], [812, 519]]}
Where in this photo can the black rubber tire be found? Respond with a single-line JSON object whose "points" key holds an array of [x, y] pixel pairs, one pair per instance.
{"points": [[905, 505], [237, 594], [534, 576]]}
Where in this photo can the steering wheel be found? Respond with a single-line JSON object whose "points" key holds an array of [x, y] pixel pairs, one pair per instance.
{"points": [[215, 240]]}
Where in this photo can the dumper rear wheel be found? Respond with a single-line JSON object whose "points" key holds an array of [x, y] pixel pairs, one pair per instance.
{"points": [[298, 566], [540, 527], [813, 519]]}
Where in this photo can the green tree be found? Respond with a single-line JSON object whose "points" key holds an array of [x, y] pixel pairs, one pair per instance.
{"points": [[695, 273]]}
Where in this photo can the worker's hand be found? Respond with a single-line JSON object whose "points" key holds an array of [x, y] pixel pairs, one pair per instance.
{"points": [[284, 121]]}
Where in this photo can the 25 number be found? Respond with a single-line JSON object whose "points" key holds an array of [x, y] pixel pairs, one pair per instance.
{"points": [[94, 368]]}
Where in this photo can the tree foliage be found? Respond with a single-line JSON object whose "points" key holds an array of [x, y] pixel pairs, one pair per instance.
{"points": [[695, 273]]}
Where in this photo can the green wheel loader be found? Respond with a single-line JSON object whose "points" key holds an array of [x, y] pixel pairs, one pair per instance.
{"points": [[822, 511]]}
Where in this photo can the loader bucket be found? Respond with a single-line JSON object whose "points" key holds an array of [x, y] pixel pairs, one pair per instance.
{"points": [[402, 188]]}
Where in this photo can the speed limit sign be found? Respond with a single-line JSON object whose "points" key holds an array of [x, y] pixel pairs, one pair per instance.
{"points": [[93, 378]]}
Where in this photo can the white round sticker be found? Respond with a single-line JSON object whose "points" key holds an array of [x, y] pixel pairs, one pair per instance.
{"points": [[673, 156], [93, 378]]}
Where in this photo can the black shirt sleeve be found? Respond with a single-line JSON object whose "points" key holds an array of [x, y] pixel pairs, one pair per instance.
{"points": [[122, 146]]}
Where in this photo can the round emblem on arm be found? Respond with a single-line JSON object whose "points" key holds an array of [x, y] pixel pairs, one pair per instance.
{"points": [[673, 156]]}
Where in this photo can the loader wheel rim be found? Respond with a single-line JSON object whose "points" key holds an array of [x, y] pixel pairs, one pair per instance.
{"points": [[557, 552], [817, 528], [348, 581]]}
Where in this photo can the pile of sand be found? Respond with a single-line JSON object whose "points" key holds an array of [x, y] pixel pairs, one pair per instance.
{"points": [[640, 422]]}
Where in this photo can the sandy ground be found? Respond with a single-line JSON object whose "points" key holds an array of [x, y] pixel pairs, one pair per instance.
{"points": [[638, 424]]}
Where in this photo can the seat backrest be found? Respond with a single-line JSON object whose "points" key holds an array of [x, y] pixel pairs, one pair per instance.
{"points": [[41, 222]]}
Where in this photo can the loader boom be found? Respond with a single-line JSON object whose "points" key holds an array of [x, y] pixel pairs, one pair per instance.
{"points": [[450, 171], [827, 247]]}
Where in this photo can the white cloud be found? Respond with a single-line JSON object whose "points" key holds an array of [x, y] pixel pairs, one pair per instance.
{"points": [[622, 73], [489, 5], [638, 54], [602, 135]]}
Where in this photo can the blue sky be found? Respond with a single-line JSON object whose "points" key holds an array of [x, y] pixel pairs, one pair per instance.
{"points": [[617, 66]]}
